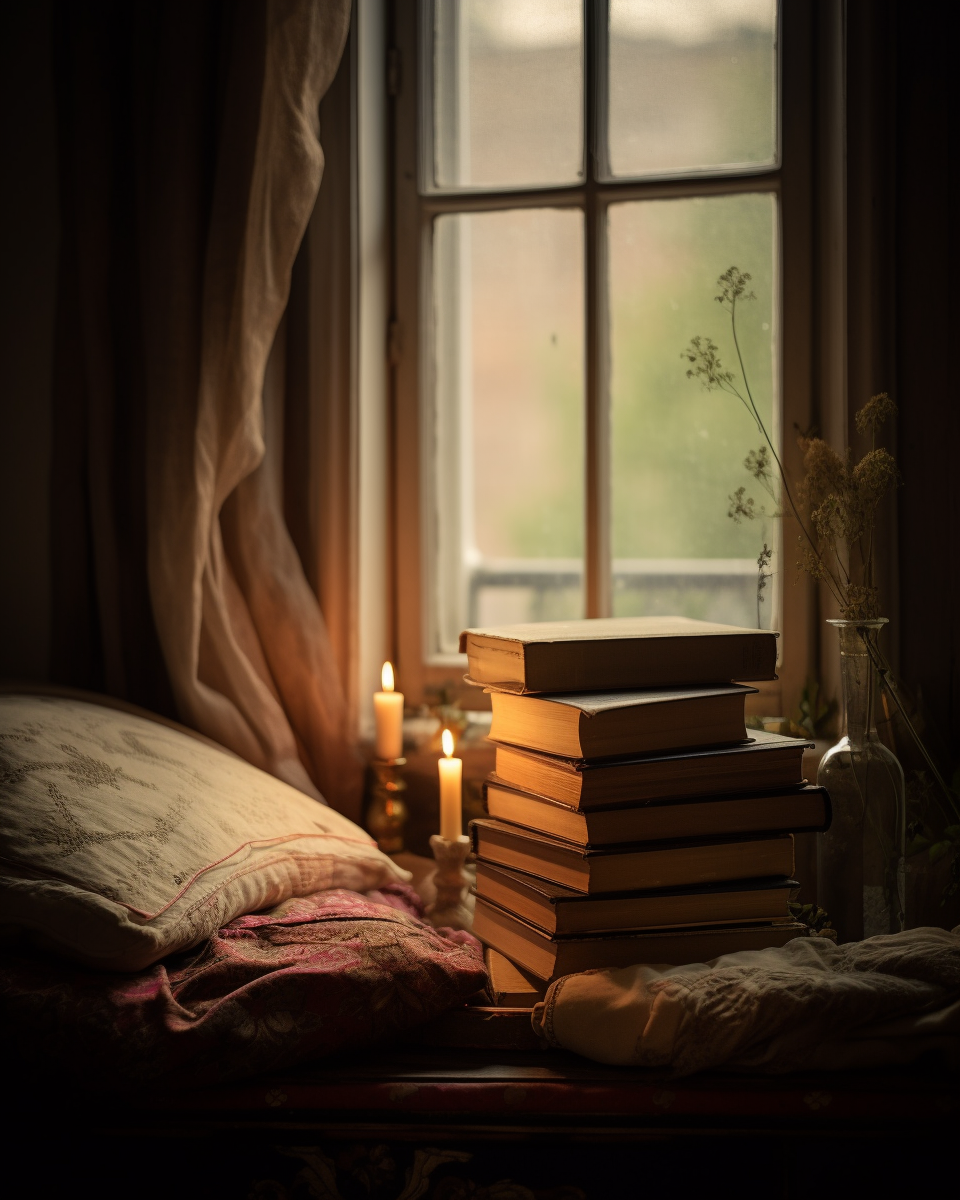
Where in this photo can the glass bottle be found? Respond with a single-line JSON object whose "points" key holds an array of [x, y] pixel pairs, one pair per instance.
{"points": [[861, 856]]}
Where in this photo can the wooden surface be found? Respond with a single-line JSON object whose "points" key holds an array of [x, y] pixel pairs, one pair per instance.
{"points": [[439, 1090], [443, 1124]]}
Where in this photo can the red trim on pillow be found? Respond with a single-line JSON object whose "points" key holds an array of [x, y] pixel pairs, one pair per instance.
{"points": [[278, 841]]}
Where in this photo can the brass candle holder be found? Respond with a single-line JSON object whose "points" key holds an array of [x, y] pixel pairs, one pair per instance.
{"points": [[387, 813], [452, 907]]}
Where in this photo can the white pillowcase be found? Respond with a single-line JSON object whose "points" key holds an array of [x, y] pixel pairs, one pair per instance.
{"points": [[122, 839]]}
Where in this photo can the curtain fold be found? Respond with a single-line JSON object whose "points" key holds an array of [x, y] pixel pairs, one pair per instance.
{"points": [[192, 162]]}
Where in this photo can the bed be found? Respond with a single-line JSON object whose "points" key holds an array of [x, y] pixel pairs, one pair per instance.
{"points": [[326, 1041]]}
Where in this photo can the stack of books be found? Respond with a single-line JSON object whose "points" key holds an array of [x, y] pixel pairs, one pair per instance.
{"points": [[632, 817]]}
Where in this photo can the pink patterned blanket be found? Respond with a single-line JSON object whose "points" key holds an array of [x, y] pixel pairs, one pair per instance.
{"points": [[330, 972]]}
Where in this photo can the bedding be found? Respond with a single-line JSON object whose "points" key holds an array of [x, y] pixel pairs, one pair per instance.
{"points": [[123, 840], [809, 1005], [314, 975]]}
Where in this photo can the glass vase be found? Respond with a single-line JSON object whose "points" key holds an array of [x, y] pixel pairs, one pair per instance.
{"points": [[861, 856]]}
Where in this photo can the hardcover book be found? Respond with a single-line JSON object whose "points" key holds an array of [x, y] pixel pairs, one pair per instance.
{"points": [[607, 653], [768, 761], [507, 985], [611, 724], [548, 957], [804, 810], [560, 910], [626, 868]]}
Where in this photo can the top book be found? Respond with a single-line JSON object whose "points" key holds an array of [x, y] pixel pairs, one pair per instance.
{"points": [[608, 653]]}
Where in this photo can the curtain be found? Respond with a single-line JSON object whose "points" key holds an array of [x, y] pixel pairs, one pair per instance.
{"points": [[190, 164]]}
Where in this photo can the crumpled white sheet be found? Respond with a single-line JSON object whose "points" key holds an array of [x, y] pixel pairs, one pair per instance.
{"points": [[808, 1005]]}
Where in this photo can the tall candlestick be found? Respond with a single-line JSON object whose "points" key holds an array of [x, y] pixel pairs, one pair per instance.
{"points": [[388, 712], [451, 778]]}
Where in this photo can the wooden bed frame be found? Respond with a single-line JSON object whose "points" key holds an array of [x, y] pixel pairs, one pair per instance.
{"points": [[440, 1123]]}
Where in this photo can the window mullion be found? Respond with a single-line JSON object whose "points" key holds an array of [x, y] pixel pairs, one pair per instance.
{"points": [[597, 540], [597, 563]]}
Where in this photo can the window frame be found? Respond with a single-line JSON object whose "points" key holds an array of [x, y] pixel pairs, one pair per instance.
{"points": [[414, 209]]}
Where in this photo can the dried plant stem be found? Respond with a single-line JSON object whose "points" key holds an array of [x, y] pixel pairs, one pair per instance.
{"points": [[837, 537], [754, 412], [882, 668]]}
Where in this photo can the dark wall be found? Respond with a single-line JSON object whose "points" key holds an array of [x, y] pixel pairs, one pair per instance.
{"points": [[28, 254], [923, 280]]}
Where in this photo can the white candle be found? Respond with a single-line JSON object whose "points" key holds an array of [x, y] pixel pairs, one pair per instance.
{"points": [[451, 777], [388, 711]]}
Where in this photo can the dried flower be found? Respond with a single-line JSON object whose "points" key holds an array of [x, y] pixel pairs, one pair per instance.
{"points": [[708, 368], [733, 287], [826, 472], [742, 507], [763, 575], [877, 409], [840, 497], [757, 463], [873, 476], [861, 602]]}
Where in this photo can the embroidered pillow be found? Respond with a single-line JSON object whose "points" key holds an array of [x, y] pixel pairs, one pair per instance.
{"points": [[122, 839]]}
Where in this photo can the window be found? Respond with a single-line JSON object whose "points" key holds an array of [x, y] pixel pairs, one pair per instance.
{"points": [[570, 182]]}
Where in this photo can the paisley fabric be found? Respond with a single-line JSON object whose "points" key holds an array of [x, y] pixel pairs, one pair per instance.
{"points": [[329, 972], [122, 840]]}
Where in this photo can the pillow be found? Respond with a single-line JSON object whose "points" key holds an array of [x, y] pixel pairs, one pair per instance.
{"points": [[122, 839]]}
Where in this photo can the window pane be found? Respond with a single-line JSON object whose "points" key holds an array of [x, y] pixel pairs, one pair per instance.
{"points": [[677, 450], [507, 500], [508, 86], [692, 86]]}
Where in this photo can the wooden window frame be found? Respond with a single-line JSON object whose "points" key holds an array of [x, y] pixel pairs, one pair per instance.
{"points": [[414, 209]]}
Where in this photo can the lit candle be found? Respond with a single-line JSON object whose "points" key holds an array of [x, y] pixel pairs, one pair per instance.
{"points": [[451, 776], [388, 711]]}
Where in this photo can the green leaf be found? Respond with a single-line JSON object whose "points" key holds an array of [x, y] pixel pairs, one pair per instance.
{"points": [[915, 845], [938, 850], [952, 832]]}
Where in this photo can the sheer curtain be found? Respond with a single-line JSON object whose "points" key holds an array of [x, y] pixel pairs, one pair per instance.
{"points": [[190, 165]]}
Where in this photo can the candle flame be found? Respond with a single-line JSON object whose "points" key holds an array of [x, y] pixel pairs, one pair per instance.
{"points": [[446, 740], [386, 677]]}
